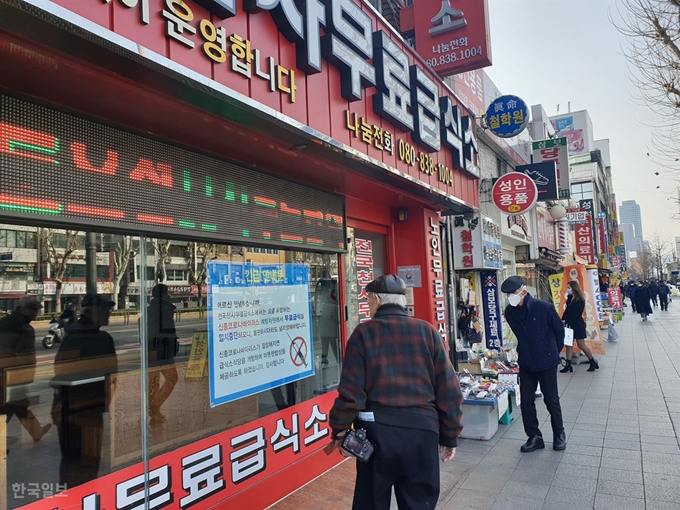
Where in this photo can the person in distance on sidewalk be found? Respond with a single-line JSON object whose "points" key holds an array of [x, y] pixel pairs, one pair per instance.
{"points": [[643, 298], [573, 318], [663, 291], [540, 338]]}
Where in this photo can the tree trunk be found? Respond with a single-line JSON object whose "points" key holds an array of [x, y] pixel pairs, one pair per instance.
{"points": [[116, 290], [58, 296]]}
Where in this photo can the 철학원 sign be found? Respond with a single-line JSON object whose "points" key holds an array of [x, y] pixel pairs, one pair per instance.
{"points": [[259, 328]]}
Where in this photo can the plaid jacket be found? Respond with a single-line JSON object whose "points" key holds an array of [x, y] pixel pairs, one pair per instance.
{"points": [[398, 368]]}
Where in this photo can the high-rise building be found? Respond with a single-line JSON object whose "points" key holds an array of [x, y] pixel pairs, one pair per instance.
{"points": [[628, 231], [629, 212]]}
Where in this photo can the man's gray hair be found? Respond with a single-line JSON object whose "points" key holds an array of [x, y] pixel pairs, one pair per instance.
{"points": [[392, 299]]}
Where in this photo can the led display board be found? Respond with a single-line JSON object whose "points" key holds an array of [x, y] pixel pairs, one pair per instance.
{"points": [[60, 169]]}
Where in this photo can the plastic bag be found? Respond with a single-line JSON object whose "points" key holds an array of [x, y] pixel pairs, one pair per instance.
{"points": [[613, 334]]}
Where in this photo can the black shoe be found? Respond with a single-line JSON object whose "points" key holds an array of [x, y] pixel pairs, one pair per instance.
{"points": [[567, 367], [560, 442], [593, 365], [533, 443]]}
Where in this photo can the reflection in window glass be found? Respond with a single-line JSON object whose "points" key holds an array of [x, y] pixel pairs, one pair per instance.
{"points": [[177, 324], [74, 407]]}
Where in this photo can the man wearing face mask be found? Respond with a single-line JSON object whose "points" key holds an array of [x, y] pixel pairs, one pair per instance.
{"points": [[540, 338]]}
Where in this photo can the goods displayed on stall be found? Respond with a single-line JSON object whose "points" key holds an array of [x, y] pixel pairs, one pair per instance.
{"points": [[490, 390]]}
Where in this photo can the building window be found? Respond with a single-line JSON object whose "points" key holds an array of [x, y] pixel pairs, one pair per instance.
{"points": [[80, 271], [582, 190], [267, 251], [17, 239], [377, 4]]}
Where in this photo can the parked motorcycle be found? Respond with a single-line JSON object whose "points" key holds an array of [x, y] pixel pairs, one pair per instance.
{"points": [[54, 335]]}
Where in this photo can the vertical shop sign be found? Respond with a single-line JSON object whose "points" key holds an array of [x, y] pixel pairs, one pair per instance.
{"points": [[438, 280], [492, 308], [556, 150], [477, 246], [546, 229], [364, 249], [602, 237], [555, 290], [614, 296], [492, 244], [259, 328], [584, 242], [594, 287], [467, 247], [589, 207]]}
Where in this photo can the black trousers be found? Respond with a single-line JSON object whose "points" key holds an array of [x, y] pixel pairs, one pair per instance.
{"points": [[406, 459], [654, 300], [528, 382], [664, 302]]}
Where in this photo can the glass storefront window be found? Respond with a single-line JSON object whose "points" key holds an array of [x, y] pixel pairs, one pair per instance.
{"points": [[76, 411]]}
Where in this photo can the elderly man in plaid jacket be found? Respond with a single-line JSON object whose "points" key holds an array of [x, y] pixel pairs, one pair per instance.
{"points": [[398, 384]]}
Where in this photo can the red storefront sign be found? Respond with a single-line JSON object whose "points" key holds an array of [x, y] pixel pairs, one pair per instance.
{"points": [[615, 301], [584, 241], [515, 193], [467, 247], [209, 471], [452, 38], [602, 236], [371, 100]]}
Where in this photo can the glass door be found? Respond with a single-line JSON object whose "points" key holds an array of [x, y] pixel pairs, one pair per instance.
{"points": [[365, 261]]}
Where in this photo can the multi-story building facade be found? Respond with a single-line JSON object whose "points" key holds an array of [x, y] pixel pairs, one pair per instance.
{"points": [[591, 182]]}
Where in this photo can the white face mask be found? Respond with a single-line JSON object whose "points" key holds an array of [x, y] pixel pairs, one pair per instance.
{"points": [[514, 299], [568, 292]]}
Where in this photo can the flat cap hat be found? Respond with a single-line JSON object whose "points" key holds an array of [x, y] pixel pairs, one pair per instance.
{"points": [[387, 284], [30, 301], [512, 284], [98, 300]]}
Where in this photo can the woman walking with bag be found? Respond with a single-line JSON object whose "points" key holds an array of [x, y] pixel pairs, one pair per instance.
{"points": [[573, 318]]}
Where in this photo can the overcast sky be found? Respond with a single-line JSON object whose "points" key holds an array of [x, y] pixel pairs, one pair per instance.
{"points": [[558, 51]]}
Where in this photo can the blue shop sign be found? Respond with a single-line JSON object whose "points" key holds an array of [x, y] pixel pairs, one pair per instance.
{"points": [[491, 301], [507, 116]]}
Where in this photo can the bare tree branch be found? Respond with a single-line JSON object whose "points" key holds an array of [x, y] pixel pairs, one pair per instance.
{"points": [[58, 257], [652, 29]]}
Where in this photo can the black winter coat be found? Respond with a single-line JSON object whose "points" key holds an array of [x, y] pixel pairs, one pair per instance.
{"points": [[664, 290], [539, 332], [573, 317], [643, 300], [161, 330]]}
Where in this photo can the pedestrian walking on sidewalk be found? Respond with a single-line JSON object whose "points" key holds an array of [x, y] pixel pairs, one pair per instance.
{"points": [[664, 291], [654, 292], [540, 338], [643, 300], [630, 290], [573, 318], [400, 387]]}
